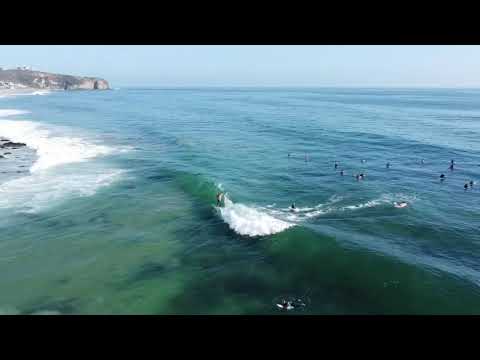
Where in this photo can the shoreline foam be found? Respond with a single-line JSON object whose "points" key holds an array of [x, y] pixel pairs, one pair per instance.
{"points": [[15, 92]]}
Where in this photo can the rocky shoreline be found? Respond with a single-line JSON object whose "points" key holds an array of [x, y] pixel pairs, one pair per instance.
{"points": [[24, 78], [15, 159]]}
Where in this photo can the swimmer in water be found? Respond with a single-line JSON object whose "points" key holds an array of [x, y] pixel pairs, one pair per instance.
{"points": [[423, 161], [292, 207], [357, 177], [388, 165], [442, 177], [342, 172], [336, 165], [451, 167], [363, 160], [465, 186], [362, 176], [471, 183]]}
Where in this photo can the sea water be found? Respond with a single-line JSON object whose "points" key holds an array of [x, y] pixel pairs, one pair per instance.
{"points": [[114, 211]]}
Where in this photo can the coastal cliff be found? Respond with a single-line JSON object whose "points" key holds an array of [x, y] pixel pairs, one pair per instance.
{"points": [[44, 80]]}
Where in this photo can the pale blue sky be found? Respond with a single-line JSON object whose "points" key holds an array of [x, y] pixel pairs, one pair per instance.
{"points": [[259, 65]]}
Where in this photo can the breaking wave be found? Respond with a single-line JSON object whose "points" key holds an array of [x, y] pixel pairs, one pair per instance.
{"points": [[48, 183], [249, 221], [51, 150]]}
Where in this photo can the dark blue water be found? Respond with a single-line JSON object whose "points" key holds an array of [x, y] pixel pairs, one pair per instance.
{"points": [[117, 211]]}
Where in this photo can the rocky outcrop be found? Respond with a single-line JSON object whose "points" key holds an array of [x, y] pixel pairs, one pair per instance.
{"points": [[10, 144], [44, 80]]}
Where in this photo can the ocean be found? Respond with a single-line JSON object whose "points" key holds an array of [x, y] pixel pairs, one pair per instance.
{"points": [[111, 207]]}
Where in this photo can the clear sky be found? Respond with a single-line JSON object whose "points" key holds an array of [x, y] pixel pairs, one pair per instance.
{"points": [[258, 65]]}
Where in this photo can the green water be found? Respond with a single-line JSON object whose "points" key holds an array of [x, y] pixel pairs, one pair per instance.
{"points": [[118, 215]]}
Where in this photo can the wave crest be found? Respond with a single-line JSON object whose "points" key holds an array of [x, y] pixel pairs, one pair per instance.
{"points": [[249, 221]]}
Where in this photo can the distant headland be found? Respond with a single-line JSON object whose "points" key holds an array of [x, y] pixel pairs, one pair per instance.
{"points": [[24, 77]]}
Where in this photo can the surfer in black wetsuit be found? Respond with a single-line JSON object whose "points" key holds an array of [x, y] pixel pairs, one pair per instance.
{"points": [[342, 172], [336, 165], [451, 164], [292, 208], [471, 183], [388, 165], [442, 177], [465, 186]]}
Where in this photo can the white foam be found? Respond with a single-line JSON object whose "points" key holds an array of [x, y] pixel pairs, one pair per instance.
{"points": [[249, 221], [14, 93], [302, 214], [42, 190], [368, 204], [11, 112], [39, 92], [48, 182], [383, 200], [51, 150]]}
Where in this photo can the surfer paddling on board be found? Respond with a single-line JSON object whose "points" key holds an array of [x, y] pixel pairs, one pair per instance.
{"points": [[219, 198]]}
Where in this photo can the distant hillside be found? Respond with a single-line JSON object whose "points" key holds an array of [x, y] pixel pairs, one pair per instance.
{"points": [[44, 80]]}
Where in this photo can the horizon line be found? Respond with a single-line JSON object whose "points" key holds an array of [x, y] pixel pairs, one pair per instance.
{"points": [[302, 86]]}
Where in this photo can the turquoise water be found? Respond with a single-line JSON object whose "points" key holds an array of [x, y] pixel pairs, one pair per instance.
{"points": [[117, 214]]}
